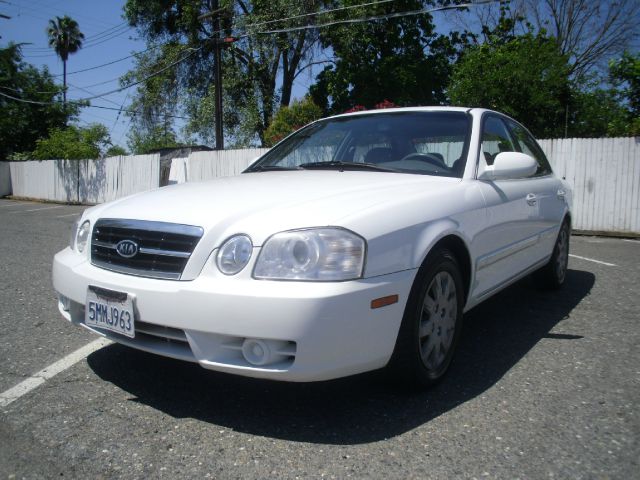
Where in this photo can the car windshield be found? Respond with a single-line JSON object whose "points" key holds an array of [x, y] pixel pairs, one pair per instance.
{"points": [[430, 143]]}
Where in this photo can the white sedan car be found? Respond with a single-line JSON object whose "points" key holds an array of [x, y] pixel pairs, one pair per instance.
{"points": [[354, 244]]}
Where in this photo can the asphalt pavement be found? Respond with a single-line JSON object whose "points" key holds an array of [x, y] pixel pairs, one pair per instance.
{"points": [[545, 385]]}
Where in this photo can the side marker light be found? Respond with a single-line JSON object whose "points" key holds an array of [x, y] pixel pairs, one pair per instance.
{"points": [[384, 301]]}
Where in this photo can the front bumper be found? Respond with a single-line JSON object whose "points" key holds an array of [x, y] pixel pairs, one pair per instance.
{"points": [[326, 330]]}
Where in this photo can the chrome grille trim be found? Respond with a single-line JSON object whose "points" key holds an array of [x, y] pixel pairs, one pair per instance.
{"points": [[163, 248], [150, 251]]}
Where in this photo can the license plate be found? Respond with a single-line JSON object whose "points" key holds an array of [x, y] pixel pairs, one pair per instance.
{"points": [[110, 310]]}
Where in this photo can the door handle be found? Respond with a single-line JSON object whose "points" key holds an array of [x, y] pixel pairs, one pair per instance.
{"points": [[532, 199], [561, 193]]}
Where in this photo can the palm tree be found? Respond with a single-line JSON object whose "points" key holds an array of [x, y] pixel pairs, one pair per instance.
{"points": [[65, 37]]}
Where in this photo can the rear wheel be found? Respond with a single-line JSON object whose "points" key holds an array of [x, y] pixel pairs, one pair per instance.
{"points": [[553, 274], [431, 324]]}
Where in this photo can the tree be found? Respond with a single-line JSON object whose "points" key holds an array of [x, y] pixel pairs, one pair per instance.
{"points": [[65, 38], [292, 118], [584, 106], [527, 78], [73, 143], [21, 122], [258, 69], [116, 150], [624, 74], [596, 113], [588, 32], [141, 142], [401, 59]]}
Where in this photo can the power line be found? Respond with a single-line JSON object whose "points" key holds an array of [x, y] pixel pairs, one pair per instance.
{"points": [[370, 19], [109, 63], [89, 38], [101, 107], [85, 45], [133, 84]]}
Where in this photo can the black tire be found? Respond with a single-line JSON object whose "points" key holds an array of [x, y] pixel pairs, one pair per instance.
{"points": [[554, 273], [428, 335]]}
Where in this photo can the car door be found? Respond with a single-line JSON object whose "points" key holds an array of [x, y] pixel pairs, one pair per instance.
{"points": [[507, 245], [548, 190]]}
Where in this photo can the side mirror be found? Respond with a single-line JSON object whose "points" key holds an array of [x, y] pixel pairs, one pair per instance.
{"points": [[510, 165]]}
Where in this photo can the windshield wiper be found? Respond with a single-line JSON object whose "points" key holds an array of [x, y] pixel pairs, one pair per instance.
{"points": [[270, 168], [339, 165]]}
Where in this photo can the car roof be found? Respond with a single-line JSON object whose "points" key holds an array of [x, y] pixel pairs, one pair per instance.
{"points": [[410, 109]]}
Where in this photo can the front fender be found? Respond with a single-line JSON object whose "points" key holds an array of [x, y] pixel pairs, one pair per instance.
{"points": [[407, 249]]}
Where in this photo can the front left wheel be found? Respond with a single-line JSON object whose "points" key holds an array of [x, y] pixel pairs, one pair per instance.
{"points": [[431, 324]]}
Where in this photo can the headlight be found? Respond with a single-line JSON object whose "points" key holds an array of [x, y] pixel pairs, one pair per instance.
{"points": [[314, 254], [82, 236], [234, 254]]}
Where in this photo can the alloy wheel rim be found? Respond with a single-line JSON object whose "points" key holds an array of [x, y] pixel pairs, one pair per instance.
{"points": [[438, 320]]}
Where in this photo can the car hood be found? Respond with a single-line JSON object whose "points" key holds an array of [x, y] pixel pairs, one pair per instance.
{"points": [[261, 204]]}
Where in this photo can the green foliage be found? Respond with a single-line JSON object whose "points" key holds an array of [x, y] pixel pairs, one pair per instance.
{"points": [[116, 150], [73, 143], [525, 77], [141, 142], [21, 124], [596, 113], [624, 73], [400, 59], [289, 119]]}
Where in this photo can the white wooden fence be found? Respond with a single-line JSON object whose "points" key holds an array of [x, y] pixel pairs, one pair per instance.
{"points": [[201, 166], [85, 181], [604, 174]]}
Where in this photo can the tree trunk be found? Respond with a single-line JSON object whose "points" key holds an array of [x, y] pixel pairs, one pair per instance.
{"points": [[64, 84]]}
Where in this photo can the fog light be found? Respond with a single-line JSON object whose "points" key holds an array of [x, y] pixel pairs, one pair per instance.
{"points": [[65, 302], [263, 352], [256, 352]]}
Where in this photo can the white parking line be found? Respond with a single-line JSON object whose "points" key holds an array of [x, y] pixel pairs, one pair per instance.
{"points": [[631, 241], [594, 261], [37, 209], [77, 214], [51, 371], [14, 204]]}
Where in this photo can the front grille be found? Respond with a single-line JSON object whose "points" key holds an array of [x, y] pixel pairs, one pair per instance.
{"points": [[163, 249]]}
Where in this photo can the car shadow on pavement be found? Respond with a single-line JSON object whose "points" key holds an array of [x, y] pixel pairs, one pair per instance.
{"points": [[359, 409]]}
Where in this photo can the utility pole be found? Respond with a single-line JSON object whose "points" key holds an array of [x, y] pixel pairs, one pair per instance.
{"points": [[218, 44], [217, 58]]}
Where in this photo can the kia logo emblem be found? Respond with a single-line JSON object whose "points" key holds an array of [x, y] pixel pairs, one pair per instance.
{"points": [[127, 248]]}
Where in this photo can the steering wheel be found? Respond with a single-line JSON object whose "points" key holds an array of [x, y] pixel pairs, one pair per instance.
{"points": [[427, 158]]}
